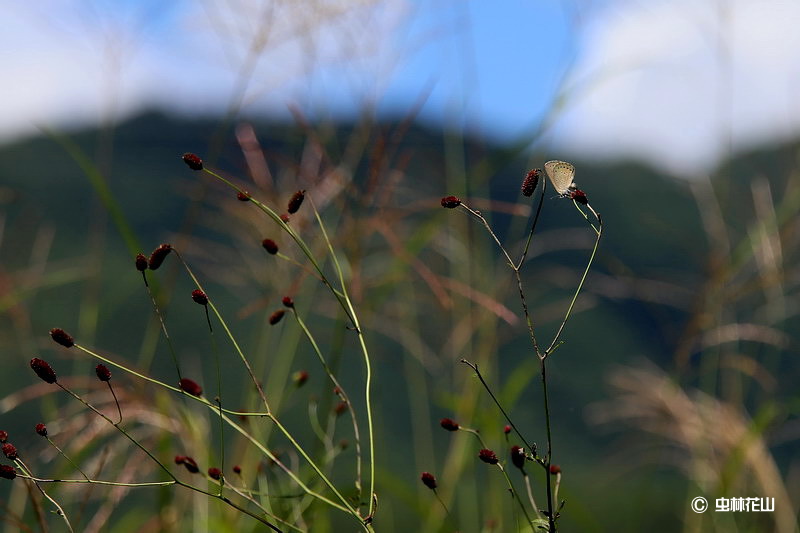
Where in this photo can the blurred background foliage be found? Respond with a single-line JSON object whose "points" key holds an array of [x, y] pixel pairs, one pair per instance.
{"points": [[676, 378], [678, 374]]}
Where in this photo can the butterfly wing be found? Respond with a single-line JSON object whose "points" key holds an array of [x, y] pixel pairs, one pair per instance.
{"points": [[561, 175]]}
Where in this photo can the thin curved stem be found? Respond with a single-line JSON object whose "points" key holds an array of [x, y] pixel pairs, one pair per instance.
{"points": [[599, 231]]}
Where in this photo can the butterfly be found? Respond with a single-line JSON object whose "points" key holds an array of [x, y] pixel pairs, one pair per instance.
{"points": [[561, 175]]}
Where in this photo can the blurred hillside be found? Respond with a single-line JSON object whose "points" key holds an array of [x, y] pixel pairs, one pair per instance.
{"points": [[698, 278]]}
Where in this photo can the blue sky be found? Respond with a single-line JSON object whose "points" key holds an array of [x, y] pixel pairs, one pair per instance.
{"points": [[676, 83]]}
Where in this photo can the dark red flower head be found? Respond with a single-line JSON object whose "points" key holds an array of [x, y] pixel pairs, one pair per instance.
{"points": [[518, 456], [300, 377], [62, 337], [429, 480], [488, 457], [43, 370], [190, 464], [7, 472], [507, 429], [340, 408], [287, 301], [194, 162], [214, 473], [237, 469], [3, 436], [449, 424], [530, 182], [41, 429], [103, 373], [579, 196], [270, 246], [179, 459], [555, 469], [243, 196], [295, 202], [141, 262], [10, 451], [451, 202], [199, 297], [158, 256], [276, 317], [285, 218], [190, 387]]}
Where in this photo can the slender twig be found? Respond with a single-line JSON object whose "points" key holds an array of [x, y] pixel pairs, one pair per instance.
{"points": [[163, 467], [65, 456], [22, 466], [515, 495], [474, 366], [599, 231], [528, 489], [116, 401], [351, 312], [219, 393], [341, 392], [157, 311]]}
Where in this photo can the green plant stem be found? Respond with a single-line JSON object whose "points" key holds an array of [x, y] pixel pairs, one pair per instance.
{"points": [[22, 466], [516, 495], [157, 310], [346, 304], [160, 464], [342, 392], [65, 456], [528, 489], [346, 507], [215, 349], [116, 401], [474, 367], [367, 364], [144, 377], [90, 481], [549, 458], [269, 413], [599, 232]]}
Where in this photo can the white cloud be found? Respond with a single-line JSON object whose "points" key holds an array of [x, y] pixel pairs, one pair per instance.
{"points": [[670, 81], [73, 61]]}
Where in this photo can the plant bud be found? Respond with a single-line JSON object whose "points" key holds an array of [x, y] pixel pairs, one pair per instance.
{"points": [[449, 424], [43, 370], [199, 297], [276, 317], [158, 256], [518, 457], [103, 373], [488, 456], [530, 182], [270, 246], [192, 161], [579, 196], [429, 480], [296, 201], [190, 387], [190, 464], [10, 451], [62, 337], [141, 262], [451, 202]]}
